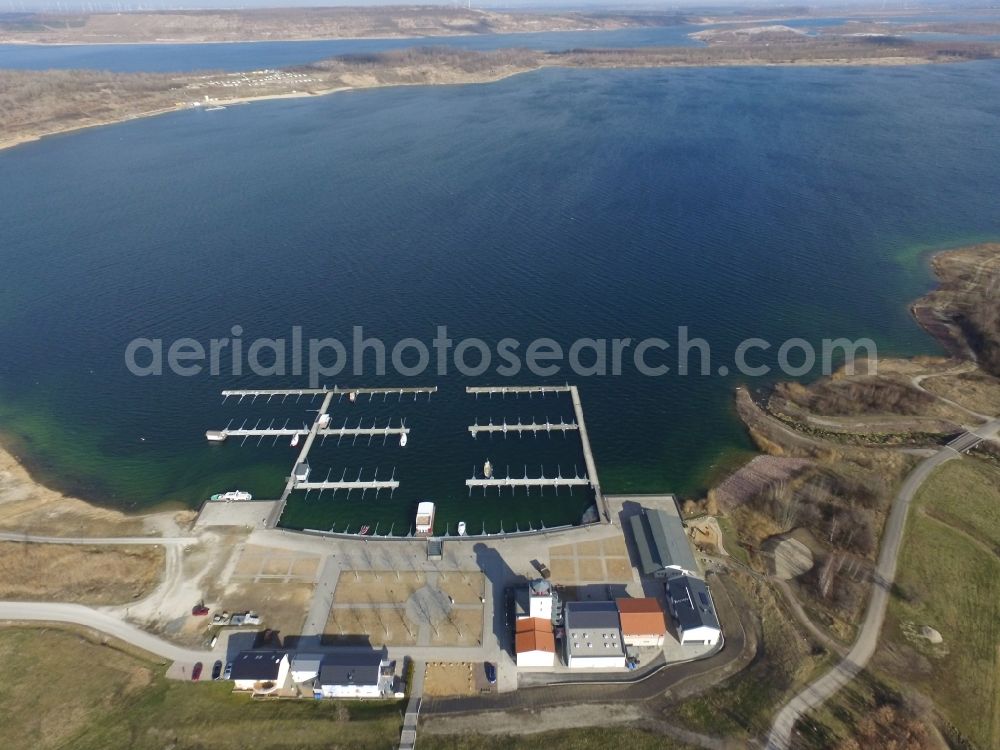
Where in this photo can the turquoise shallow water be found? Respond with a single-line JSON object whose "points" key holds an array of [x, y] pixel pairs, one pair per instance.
{"points": [[563, 203]]}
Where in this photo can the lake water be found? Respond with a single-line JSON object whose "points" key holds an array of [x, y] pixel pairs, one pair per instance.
{"points": [[563, 203], [130, 58]]}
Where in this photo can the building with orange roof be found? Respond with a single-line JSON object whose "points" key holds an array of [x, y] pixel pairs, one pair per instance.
{"points": [[643, 622], [535, 642]]}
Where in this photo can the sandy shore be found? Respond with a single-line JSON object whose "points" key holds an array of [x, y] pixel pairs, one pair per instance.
{"points": [[27, 506]]}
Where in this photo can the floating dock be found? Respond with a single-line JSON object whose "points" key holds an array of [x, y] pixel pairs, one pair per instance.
{"points": [[536, 427], [518, 389]]}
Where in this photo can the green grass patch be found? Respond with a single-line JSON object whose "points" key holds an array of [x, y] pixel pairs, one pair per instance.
{"points": [[948, 582], [587, 738], [744, 706], [64, 691], [966, 495]]}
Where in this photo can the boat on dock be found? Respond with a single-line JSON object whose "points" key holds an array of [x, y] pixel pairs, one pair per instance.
{"points": [[425, 519], [488, 469], [236, 496], [461, 528]]}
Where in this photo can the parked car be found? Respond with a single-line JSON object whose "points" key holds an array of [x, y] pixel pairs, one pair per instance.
{"points": [[199, 610], [217, 670], [196, 672], [228, 671], [491, 672]]}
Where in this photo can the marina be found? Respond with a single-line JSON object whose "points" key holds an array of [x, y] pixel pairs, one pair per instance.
{"points": [[354, 492]]}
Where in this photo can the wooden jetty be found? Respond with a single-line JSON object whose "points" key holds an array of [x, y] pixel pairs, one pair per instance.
{"points": [[313, 392], [517, 389], [536, 427], [588, 456], [527, 481], [374, 484]]}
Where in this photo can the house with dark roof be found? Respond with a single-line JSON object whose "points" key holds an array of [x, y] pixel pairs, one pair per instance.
{"points": [[692, 610], [593, 638], [351, 674], [260, 671], [662, 543]]}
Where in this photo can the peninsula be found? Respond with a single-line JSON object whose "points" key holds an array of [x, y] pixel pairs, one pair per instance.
{"points": [[290, 24], [38, 103]]}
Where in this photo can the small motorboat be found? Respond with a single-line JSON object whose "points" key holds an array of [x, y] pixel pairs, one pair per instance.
{"points": [[353, 396], [236, 496], [488, 469], [402, 440], [364, 530], [295, 439], [461, 528]]}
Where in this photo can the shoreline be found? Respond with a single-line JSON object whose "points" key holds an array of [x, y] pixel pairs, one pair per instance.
{"points": [[18, 140], [19, 487], [376, 38]]}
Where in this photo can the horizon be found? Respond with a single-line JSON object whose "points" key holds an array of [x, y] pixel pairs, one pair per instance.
{"points": [[133, 6]]}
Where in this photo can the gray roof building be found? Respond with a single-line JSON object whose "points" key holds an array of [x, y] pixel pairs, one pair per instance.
{"points": [[593, 634], [661, 542], [692, 609], [257, 665], [351, 668]]}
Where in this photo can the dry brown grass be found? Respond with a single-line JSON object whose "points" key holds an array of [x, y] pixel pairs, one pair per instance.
{"points": [[450, 679], [82, 574], [382, 626], [282, 606], [377, 586]]}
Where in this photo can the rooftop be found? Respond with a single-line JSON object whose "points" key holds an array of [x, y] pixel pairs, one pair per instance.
{"points": [[351, 668], [661, 541], [534, 634], [692, 603], [257, 665], [592, 629], [641, 617]]}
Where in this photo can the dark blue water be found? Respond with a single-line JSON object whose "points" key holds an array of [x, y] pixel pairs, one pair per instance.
{"points": [[770, 202], [149, 58]]}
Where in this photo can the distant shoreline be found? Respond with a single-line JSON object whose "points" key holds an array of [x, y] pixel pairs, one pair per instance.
{"points": [[471, 78]]}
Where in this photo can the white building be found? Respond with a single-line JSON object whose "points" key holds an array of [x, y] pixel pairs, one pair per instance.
{"points": [[642, 621], [534, 642], [351, 674], [593, 638], [692, 610], [305, 667], [260, 671]]}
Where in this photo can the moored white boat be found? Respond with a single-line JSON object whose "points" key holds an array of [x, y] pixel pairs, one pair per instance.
{"points": [[425, 518], [461, 528], [488, 469], [402, 440], [235, 496], [295, 439]]}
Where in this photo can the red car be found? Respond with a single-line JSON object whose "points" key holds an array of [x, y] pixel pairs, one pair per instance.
{"points": [[199, 610], [196, 672]]}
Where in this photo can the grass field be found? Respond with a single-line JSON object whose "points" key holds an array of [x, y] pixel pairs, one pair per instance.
{"points": [[966, 495], [71, 692], [744, 706], [78, 573], [951, 583], [589, 738]]}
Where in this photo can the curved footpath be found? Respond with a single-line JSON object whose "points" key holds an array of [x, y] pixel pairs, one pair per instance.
{"points": [[10, 536], [78, 614], [861, 652]]}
